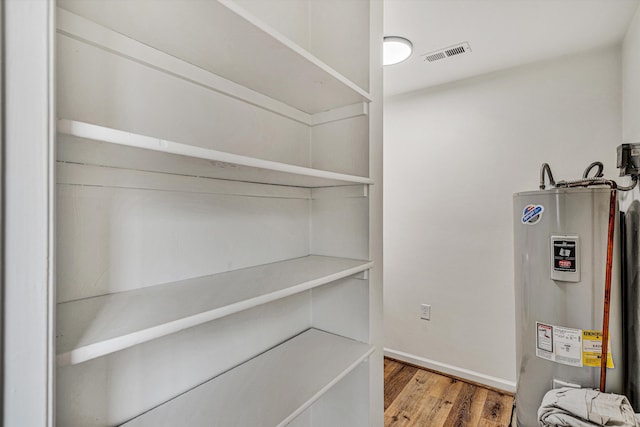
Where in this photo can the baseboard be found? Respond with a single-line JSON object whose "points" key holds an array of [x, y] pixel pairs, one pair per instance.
{"points": [[476, 377]]}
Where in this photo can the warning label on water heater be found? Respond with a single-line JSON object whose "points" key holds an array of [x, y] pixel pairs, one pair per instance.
{"points": [[564, 254], [592, 349], [568, 346], [565, 258]]}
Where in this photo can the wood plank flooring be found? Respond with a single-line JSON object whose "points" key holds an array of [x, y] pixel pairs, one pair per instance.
{"points": [[415, 397]]}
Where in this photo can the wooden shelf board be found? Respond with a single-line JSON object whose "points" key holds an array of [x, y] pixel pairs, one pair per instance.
{"points": [[268, 390], [93, 327], [86, 143], [254, 55]]}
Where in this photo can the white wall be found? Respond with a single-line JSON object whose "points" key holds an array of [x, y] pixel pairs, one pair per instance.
{"points": [[631, 82], [454, 155]]}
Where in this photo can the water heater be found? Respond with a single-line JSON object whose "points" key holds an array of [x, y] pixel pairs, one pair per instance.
{"points": [[560, 260]]}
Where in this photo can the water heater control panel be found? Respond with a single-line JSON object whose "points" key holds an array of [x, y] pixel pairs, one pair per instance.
{"points": [[565, 258]]}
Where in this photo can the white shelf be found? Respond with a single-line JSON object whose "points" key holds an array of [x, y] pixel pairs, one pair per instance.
{"points": [[97, 326], [253, 54], [269, 390], [98, 145]]}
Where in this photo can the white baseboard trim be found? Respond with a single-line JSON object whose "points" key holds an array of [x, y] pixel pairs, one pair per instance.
{"points": [[466, 374]]}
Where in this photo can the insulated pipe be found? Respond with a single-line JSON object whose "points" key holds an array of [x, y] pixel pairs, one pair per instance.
{"points": [[586, 182], [607, 290]]}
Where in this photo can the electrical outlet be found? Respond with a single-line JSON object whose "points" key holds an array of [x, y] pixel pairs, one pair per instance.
{"points": [[425, 311]]}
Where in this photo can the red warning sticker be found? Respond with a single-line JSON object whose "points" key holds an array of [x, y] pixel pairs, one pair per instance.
{"points": [[545, 337]]}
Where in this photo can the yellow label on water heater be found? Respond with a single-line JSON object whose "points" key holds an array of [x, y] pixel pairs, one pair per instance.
{"points": [[592, 349]]}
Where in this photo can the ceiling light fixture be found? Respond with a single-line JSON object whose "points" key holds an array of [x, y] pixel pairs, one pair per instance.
{"points": [[396, 50]]}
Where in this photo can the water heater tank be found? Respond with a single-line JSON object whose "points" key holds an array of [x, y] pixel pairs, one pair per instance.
{"points": [[560, 259]]}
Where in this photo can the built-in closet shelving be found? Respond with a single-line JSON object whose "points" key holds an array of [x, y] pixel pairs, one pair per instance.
{"points": [[231, 43], [320, 358], [112, 147], [124, 319], [213, 214]]}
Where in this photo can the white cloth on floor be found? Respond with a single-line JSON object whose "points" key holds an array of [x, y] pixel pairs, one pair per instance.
{"points": [[581, 407]]}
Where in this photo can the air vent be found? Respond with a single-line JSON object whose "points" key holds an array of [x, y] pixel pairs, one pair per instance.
{"points": [[435, 56], [447, 52], [455, 51]]}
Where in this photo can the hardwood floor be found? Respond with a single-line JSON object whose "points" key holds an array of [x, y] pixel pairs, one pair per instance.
{"points": [[416, 397]]}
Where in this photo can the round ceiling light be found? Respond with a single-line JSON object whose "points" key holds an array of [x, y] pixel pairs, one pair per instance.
{"points": [[396, 50]]}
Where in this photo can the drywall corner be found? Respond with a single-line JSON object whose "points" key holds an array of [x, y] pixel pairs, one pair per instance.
{"points": [[631, 82]]}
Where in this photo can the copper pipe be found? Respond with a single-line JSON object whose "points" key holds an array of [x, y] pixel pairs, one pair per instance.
{"points": [[607, 291]]}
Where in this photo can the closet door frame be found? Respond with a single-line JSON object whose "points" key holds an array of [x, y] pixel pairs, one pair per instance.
{"points": [[376, 380], [28, 152]]}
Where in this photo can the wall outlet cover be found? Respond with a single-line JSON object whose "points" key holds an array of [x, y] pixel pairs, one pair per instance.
{"points": [[425, 311]]}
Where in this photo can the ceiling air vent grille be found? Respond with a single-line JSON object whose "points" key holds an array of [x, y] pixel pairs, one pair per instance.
{"points": [[455, 51], [447, 52], [435, 56]]}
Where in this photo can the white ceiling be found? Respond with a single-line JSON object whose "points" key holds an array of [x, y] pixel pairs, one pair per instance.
{"points": [[501, 33]]}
